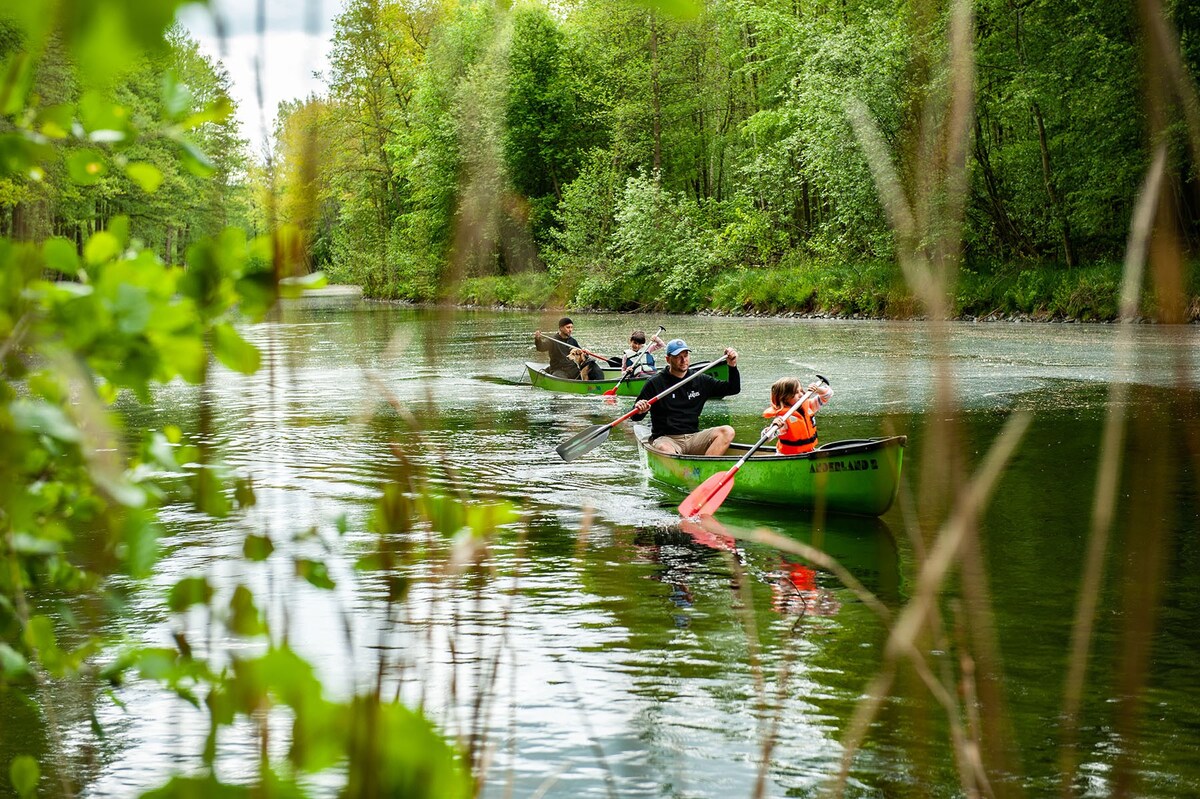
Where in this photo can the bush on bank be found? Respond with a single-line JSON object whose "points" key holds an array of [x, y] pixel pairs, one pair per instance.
{"points": [[874, 289]]}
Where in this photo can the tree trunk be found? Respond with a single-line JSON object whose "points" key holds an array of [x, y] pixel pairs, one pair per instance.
{"points": [[1056, 205], [655, 99], [997, 210]]}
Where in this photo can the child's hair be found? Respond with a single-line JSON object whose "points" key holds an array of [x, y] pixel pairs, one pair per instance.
{"points": [[782, 389], [639, 336]]}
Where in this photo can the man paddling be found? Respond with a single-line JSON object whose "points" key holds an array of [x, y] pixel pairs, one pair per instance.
{"points": [[675, 419], [561, 364]]}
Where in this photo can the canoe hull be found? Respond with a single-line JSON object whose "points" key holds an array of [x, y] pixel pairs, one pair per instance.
{"points": [[630, 388], [860, 476]]}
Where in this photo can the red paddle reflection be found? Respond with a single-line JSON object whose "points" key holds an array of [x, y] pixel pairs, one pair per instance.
{"points": [[794, 588]]}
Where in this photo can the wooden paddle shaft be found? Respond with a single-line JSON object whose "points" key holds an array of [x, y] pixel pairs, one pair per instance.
{"points": [[562, 343]]}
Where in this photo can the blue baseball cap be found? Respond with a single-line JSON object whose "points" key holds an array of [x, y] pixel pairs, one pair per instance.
{"points": [[676, 346]]}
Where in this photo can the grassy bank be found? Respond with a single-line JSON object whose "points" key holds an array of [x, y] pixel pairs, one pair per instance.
{"points": [[874, 290]]}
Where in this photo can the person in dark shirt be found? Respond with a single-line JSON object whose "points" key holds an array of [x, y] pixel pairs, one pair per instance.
{"points": [[561, 364], [675, 419]]}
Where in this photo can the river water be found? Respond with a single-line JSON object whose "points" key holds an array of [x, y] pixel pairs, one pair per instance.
{"points": [[606, 651]]}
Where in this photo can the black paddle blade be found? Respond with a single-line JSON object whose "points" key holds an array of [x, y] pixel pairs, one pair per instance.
{"points": [[584, 442]]}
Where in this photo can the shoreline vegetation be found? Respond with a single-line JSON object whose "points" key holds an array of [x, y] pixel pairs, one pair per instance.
{"points": [[846, 291]]}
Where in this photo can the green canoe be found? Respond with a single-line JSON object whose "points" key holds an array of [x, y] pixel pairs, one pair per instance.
{"points": [[630, 388], [856, 476]]}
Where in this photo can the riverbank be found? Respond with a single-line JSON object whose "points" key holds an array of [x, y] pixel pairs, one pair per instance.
{"points": [[1018, 318], [827, 290]]}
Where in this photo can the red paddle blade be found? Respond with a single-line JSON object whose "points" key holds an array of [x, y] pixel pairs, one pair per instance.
{"points": [[708, 496]]}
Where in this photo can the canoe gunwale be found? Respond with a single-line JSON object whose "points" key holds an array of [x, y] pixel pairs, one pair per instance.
{"points": [[541, 369], [834, 449]]}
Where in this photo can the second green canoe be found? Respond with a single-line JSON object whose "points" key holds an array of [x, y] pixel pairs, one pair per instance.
{"points": [[856, 476], [630, 388]]}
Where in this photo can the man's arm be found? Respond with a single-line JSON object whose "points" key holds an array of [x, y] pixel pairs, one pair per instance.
{"points": [[727, 388], [647, 393]]}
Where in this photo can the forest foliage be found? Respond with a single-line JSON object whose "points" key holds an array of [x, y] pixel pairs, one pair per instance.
{"points": [[641, 159], [131, 251]]}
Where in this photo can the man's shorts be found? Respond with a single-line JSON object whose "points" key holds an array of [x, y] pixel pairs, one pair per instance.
{"points": [[687, 443]]}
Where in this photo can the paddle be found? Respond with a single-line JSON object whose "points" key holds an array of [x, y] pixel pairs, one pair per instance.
{"points": [[708, 496], [610, 395], [587, 440], [562, 343]]}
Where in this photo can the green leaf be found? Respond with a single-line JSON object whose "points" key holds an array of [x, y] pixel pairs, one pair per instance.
{"points": [[206, 787], [176, 97], [158, 451], [244, 618], [396, 751], [194, 158], [100, 248], [315, 572], [61, 255], [145, 175], [98, 112], [682, 9], [43, 418], [295, 286], [13, 665], [140, 540], [157, 663], [119, 227], [185, 355], [16, 77], [243, 493], [132, 308], [24, 773], [218, 111], [209, 493], [257, 547], [39, 637], [54, 121], [484, 519], [257, 291], [189, 591], [86, 167], [20, 156], [234, 351]]}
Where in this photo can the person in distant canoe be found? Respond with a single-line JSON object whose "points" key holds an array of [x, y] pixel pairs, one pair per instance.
{"points": [[675, 419], [798, 433], [586, 368], [561, 364], [638, 357]]}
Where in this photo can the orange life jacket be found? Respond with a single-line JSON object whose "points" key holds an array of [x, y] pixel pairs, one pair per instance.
{"points": [[800, 433]]}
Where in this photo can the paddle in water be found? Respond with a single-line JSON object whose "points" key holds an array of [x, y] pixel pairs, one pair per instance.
{"points": [[610, 396], [584, 442], [708, 496]]}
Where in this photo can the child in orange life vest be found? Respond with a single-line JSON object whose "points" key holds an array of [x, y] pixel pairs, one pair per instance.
{"points": [[798, 433]]}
